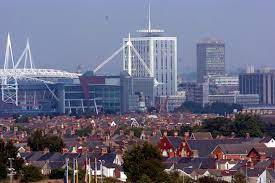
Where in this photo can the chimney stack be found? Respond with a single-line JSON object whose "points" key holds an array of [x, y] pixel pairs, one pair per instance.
{"points": [[186, 135]]}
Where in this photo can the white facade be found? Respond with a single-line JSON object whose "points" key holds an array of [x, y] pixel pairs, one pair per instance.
{"points": [[160, 55], [270, 144], [226, 80]]}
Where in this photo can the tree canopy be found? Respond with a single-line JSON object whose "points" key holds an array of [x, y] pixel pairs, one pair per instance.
{"points": [[219, 126], [208, 179], [38, 142], [31, 174], [251, 124], [238, 178], [216, 108], [8, 150], [242, 125], [144, 164]]}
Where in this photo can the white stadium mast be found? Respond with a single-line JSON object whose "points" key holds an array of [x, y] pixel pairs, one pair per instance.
{"points": [[12, 73], [131, 49]]}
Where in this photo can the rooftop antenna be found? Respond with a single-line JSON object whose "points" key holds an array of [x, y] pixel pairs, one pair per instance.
{"points": [[150, 30], [149, 16]]}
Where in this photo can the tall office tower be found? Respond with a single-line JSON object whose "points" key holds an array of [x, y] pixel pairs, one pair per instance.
{"points": [[159, 54], [261, 82], [210, 59]]}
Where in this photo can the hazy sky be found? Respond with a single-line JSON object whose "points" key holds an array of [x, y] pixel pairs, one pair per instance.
{"points": [[67, 33]]}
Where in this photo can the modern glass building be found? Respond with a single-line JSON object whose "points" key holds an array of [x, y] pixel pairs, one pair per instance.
{"points": [[98, 94], [88, 94], [33, 98], [210, 59], [260, 82]]}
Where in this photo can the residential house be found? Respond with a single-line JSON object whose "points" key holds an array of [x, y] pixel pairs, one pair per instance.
{"points": [[223, 164], [261, 153], [252, 174], [203, 148], [270, 143], [171, 146], [232, 151]]}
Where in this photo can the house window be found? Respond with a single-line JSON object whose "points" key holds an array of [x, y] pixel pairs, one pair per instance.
{"points": [[164, 153]]}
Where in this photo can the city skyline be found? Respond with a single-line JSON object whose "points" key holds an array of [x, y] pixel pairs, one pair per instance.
{"points": [[75, 36]]}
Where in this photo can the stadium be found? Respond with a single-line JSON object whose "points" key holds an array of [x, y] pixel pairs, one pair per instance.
{"points": [[26, 89], [29, 90]]}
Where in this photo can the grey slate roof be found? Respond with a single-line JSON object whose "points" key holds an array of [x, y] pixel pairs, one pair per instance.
{"points": [[236, 148], [205, 147], [175, 141], [51, 156], [108, 158]]}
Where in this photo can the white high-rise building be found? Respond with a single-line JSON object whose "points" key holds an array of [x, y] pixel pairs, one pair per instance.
{"points": [[160, 55]]}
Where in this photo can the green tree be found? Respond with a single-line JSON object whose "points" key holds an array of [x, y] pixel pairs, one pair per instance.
{"points": [[3, 170], [57, 173], [144, 162], [8, 150], [208, 179], [238, 178], [189, 106], [251, 124], [54, 143], [222, 108], [137, 131], [111, 180], [36, 141], [31, 174], [144, 179], [219, 126], [84, 132], [176, 177]]}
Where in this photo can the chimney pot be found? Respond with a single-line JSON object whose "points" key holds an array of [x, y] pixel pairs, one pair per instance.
{"points": [[186, 135]]}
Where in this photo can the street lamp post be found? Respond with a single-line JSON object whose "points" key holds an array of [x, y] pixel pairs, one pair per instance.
{"points": [[11, 170], [101, 169]]}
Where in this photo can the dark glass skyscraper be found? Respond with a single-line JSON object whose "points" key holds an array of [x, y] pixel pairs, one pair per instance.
{"points": [[260, 82], [210, 59]]}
